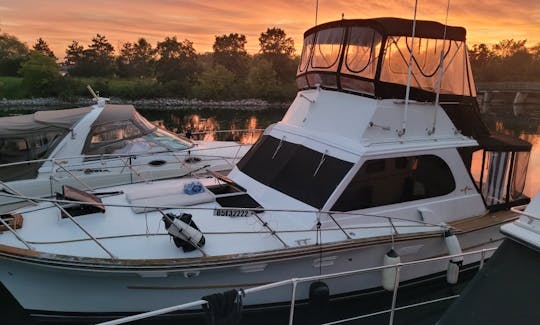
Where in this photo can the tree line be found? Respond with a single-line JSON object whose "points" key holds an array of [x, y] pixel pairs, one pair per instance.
{"points": [[171, 68], [508, 60]]}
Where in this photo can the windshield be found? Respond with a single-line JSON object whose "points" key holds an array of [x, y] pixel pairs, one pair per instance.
{"points": [[332, 59], [132, 137]]}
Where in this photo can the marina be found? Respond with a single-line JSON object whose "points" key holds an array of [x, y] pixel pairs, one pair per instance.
{"points": [[401, 180]]}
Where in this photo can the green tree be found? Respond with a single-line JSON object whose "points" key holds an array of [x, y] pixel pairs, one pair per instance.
{"points": [[535, 51], [42, 47], [482, 59], [12, 54], [144, 59], [40, 74], [230, 52], [177, 65], [215, 82], [278, 49], [508, 47], [74, 54], [125, 61], [136, 59], [262, 80], [100, 57], [275, 41], [75, 59], [96, 61]]}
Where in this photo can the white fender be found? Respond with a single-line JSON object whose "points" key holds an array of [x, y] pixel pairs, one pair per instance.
{"points": [[454, 264], [390, 275], [185, 232]]}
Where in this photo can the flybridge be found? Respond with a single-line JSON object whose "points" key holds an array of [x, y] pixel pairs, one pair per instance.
{"points": [[370, 57]]}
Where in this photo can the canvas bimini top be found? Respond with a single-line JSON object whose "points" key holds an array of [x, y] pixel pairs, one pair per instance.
{"points": [[42, 121], [370, 57]]}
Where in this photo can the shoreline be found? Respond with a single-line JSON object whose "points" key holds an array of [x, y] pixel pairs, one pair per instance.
{"points": [[154, 103]]}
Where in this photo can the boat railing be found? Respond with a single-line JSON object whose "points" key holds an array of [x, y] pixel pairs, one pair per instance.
{"points": [[222, 131], [294, 282], [520, 211], [119, 163], [193, 151], [391, 221]]}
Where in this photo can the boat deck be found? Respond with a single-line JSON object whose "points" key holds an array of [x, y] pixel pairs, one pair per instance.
{"points": [[479, 222]]}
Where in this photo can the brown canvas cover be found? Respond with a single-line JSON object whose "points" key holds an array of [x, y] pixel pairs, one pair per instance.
{"points": [[116, 113], [388, 26], [32, 137], [24, 125]]}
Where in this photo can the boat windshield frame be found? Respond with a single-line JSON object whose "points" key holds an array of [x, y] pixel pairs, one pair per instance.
{"points": [[131, 134]]}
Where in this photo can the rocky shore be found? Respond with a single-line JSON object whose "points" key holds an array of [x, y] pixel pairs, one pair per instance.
{"points": [[155, 103]]}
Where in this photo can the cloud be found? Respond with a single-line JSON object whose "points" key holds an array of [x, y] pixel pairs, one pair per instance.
{"points": [[61, 21]]}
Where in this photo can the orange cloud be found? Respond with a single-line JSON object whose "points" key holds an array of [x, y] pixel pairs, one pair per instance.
{"points": [[61, 21]]}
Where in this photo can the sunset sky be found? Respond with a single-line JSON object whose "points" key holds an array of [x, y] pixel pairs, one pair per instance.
{"points": [[61, 21]]}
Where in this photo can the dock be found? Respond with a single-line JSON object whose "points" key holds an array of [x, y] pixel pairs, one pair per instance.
{"points": [[523, 91]]}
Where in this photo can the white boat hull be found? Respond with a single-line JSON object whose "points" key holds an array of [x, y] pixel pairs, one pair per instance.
{"points": [[109, 289]]}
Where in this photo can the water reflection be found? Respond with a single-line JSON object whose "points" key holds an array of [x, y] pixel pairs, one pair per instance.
{"points": [[216, 124], [521, 121]]}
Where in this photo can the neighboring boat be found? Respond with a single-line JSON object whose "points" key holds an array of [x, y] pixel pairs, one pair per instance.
{"points": [[363, 170], [503, 291], [101, 145]]}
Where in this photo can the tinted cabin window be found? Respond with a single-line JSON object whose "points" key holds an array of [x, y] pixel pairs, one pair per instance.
{"points": [[302, 173], [395, 180], [31, 147]]}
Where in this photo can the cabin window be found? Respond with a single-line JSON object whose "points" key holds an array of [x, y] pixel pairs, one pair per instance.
{"points": [[427, 53], [30, 147], [500, 176], [306, 53], [363, 47], [300, 172], [324, 59], [395, 180], [327, 49]]}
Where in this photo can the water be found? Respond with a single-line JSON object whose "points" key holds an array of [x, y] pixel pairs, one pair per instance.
{"points": [[215, 119]]}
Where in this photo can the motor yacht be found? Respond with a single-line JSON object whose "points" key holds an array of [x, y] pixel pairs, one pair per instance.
{"points": [[381, 158], [96, 146]]}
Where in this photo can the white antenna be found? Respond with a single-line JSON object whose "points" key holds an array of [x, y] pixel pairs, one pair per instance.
{"points": [[92, 92], [100, 100], [441, 71], [409, 74]]}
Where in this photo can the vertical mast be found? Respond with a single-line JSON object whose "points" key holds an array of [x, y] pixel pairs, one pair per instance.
{"points": [[441, 71], [409, 74], [316, 11]]}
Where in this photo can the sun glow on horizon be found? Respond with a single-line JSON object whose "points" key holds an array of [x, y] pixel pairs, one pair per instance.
{"points": [[59, 22]]}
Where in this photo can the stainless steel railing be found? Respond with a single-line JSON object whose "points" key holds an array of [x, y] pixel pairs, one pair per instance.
{"points": [[295, 281]]}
